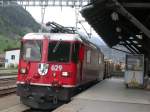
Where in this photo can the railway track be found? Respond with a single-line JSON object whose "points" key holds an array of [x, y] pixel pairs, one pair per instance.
{"points": [[7, 85], [8, 74], [7, 90]]}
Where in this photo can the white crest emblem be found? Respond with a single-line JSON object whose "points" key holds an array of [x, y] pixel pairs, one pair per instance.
{"points": [[43, 69]]}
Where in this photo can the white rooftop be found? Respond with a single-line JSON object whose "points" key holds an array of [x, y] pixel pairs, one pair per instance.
{"points": [[52, 36]]}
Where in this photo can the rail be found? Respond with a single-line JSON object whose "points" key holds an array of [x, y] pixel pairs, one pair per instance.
{"points": [[8, 77], [7, 90], [7, 84]]}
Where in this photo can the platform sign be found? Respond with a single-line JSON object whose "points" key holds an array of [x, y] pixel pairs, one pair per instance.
{"points": [[134, 73]]}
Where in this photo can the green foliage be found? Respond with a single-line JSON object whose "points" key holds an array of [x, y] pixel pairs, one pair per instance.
{"points": [[15, 22], [7, 43]]}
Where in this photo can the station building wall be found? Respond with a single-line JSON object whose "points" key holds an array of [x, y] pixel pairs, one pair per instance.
{"points": [[12, 58]]}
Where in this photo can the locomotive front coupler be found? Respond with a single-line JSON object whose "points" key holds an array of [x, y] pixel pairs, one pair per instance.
{"points": [[56, 86], [27, 86]]}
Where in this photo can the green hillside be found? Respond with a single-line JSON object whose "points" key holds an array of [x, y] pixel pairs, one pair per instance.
{"points": [[14, 23]]}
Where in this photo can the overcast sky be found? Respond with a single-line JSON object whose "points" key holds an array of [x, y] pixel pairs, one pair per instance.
{"points": [[65, 16]]}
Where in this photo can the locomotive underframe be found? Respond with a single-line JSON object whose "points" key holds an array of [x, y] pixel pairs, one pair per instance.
{"points": [[43, 96]]}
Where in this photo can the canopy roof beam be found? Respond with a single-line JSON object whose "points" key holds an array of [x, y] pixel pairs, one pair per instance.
{"points": [[131, 18]]}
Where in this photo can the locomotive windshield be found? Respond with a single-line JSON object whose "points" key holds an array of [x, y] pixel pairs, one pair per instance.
{"points": [[31, 50], [59, 51]]}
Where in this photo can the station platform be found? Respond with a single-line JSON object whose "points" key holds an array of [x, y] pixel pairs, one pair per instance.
{"points": [[110, 95]]}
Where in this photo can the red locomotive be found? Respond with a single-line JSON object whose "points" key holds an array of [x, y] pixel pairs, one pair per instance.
{"points": [[52, 65]]}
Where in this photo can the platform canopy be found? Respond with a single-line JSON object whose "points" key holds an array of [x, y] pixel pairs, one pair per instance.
{"points": [[121, 22]]}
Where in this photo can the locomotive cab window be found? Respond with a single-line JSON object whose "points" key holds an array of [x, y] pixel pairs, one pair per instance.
{"points": [[75, 52], [59, 51], [31, 50]]}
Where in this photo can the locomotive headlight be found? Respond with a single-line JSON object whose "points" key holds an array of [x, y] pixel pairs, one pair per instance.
{"points": [[65, 74], [43, 68], [23, 70]]}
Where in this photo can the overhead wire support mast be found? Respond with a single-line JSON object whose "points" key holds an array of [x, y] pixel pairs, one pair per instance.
{"points": [[42, 17]]}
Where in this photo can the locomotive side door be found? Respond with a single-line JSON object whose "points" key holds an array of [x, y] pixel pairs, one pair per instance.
{"points": [[77, 58], [81, 61]]}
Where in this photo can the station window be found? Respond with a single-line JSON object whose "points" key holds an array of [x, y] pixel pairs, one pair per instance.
{"points": [[12, 57], [88, 56]]}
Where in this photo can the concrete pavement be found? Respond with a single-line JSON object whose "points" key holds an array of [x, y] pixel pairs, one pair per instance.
{"points": [[109, 96]]}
